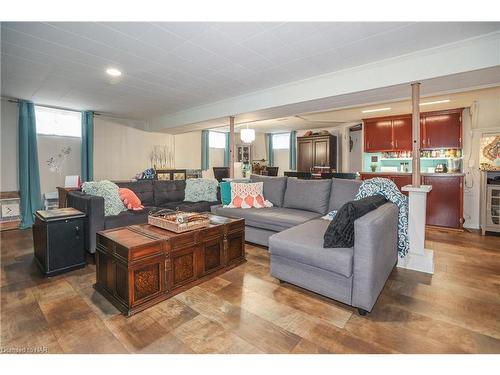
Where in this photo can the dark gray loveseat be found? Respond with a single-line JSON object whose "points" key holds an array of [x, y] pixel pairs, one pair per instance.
{"points": [[154, 195], [293, 230]]}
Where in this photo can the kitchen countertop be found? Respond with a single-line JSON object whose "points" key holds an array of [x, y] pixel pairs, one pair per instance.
{"points": [[449, 174]]}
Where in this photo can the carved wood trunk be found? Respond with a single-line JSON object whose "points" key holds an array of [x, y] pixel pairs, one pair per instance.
{"points": [[141, 265]]}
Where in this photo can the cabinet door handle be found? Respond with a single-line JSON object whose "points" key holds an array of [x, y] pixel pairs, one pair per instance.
{"points": [[396, 143], [428, 141]]}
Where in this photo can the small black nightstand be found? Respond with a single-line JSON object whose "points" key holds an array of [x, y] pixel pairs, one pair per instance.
{"points": [[58, 240]]}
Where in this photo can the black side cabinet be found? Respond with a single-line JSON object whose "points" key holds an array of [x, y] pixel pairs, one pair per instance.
{"points": [[58, 240]]}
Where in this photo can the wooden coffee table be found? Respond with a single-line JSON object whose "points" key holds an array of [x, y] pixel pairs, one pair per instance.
{"points": [[141, 265]]}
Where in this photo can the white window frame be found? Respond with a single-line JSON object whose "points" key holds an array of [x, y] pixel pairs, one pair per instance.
{"points": [[281, 141], [58, 122], [216, 139]]}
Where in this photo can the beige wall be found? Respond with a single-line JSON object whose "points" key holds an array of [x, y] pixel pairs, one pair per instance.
{"points": [[188, 150], [281, 160], [120, 151], [8, 137], [259, 147], [51, 146]]}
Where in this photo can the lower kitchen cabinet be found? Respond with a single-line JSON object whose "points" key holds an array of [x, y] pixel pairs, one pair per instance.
{"points": [[445, 201]]}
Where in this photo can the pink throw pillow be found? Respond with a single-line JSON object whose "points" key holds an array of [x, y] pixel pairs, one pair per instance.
{"points": [[247, 195], [130, 199]]}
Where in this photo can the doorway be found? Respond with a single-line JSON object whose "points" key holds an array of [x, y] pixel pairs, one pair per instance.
{"points": [[355, 148]]}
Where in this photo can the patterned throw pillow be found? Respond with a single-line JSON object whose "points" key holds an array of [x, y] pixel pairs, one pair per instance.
{"points": [[247, 195], [201, 189], [113, 205]]}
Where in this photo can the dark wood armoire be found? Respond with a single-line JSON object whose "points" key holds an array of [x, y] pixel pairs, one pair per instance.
{"points": [[316, 151]]}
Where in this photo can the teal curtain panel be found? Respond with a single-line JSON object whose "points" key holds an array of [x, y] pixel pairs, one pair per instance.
{"points": [[226, 152], [87, 146], [270, 151], [29, 174], [204, 150], [292, 162]]}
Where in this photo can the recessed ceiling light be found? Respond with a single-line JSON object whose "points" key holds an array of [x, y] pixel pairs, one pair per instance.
{"points": [[376, 110], [113, 72], [436, 102]]}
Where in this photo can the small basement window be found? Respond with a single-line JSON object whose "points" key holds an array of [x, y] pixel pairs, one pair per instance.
{"points": [[58, 122], [216, 139]]}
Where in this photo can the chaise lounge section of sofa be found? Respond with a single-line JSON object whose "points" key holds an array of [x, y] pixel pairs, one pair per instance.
{"points": [[293, 230]]}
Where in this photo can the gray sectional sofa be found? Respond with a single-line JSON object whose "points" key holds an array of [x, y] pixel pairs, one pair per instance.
{"points": [[293, 230]]}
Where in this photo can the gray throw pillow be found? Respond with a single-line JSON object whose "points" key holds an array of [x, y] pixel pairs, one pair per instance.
{"points": [[308, 195], [342, 191], [274, 188]]}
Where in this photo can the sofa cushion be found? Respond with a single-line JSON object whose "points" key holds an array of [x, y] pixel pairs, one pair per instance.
{"points": [[308, 195], [272, 218], [168, 191], [126, 218], [142, 188], [274, 188], [304, 244], [202, 206], [342, 191]]}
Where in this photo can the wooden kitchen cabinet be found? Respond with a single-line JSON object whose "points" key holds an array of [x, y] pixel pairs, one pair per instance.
{"points": [[441, 129], [378, 134], [316, 151], [387, 134], [402, 133], [445, 201], [438, 129]]}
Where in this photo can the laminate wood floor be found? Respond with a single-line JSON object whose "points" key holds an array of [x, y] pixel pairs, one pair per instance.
{"points": [[456, 310]]}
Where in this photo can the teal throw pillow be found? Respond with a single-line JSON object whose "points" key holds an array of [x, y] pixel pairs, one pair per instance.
{"points": [[225, 192]]}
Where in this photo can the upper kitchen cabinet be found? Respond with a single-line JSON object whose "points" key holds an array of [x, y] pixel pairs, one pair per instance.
{"points": [[378, 134], [392, 133], [402, 133], [441, 129]]}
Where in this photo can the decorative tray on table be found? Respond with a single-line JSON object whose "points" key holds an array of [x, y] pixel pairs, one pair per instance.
{"points": [[178, 221]]}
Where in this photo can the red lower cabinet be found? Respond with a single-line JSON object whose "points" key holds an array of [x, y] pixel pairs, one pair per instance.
{"points": [[445, 201]]}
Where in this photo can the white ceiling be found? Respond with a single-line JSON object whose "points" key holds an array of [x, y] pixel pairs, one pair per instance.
{"points": [[170, 67]]}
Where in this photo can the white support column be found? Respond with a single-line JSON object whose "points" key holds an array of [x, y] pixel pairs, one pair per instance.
{"points": [[418, 258]]}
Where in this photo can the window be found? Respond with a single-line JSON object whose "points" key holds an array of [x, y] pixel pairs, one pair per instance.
{"points": [[216, 140], [281, 141], [50, 121]]}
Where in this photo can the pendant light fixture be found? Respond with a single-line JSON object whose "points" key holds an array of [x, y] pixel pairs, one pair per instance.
{"points": [[247, 135]]}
